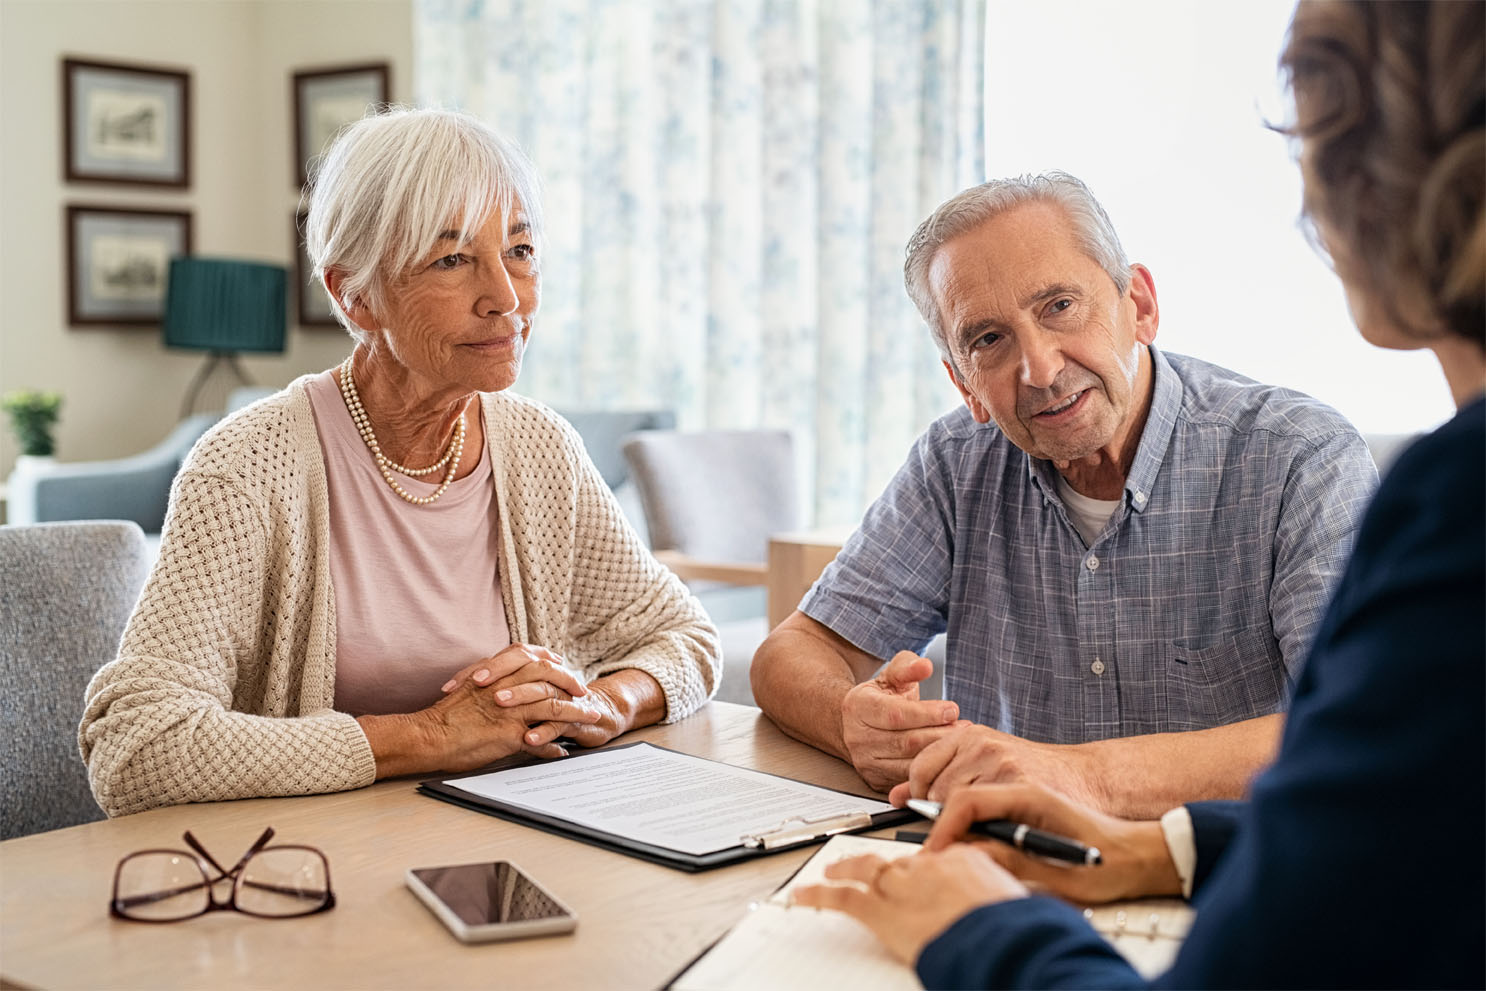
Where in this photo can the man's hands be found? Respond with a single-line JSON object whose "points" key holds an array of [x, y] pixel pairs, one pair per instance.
{"points": [[884, 724], [974, 754]]}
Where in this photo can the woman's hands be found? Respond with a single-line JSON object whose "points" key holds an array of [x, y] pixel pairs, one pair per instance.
{"points": [[491, 709], [619, 701], [909, 901], [1135, 864]]}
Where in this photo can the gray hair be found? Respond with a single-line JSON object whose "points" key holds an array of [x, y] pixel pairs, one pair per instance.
{"points": [[972, 207], [393, 181]]}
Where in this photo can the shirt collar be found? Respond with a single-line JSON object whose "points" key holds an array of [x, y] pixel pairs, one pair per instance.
{"points": [[1166, 402]]}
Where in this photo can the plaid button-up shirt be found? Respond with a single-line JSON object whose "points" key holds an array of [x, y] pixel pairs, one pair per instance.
{"points": [[1195, 605]]}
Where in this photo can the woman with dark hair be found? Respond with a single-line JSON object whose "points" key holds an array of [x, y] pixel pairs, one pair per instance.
{"points": [[1358, 860]]}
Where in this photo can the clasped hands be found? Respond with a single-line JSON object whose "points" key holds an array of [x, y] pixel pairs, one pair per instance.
{"points": [[522, 699]]}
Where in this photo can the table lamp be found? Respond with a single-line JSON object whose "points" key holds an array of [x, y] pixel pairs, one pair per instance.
{"points": [[224, 306]]}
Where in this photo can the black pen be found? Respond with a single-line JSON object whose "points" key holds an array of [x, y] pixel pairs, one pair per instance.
{"points": [[1021, 836]]}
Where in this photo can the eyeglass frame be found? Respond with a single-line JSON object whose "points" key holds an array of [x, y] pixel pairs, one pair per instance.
{"points": [[235, 875]]}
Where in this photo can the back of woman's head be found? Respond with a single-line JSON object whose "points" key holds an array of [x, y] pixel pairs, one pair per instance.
{"points": [[393, 181], [1390, 110]]}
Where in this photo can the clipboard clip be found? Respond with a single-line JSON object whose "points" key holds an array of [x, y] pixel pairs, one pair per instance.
{"points": [[799, 829]]}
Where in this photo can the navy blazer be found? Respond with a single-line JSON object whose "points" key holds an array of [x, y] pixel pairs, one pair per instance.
{"points": [[1358, 860]]}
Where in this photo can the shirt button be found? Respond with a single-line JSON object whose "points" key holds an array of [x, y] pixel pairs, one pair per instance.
{"points": [[1097, 667], [1092, 563], [1139, 498]]}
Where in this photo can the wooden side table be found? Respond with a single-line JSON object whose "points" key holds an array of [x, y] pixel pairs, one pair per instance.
{"points": [[795, 560]]}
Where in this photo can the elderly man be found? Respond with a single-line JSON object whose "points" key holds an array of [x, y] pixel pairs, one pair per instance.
{"points": [[1130, 550]]}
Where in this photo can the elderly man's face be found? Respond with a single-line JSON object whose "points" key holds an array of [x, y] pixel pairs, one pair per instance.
{"points": [[1043, 341], [457, 321]]}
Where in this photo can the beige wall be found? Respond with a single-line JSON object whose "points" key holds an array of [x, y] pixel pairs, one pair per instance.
{"points": [[121, 389]]}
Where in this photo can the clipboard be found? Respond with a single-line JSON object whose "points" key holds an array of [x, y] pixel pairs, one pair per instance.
{"points": [[773, 837]]}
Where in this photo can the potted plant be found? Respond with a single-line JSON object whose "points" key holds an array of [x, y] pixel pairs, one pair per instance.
{"points": [[32, 415]]}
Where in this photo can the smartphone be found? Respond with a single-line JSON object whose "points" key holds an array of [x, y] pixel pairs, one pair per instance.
{"points": [[497, 900]]}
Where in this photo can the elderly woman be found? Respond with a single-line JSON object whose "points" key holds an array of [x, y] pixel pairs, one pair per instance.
{"points": [[395, 566], [1358, 861]]}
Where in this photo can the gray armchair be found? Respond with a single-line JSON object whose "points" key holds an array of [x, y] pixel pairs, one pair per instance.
{"points": [[135, 488], [603, 432], [711, 501], [66, 591]]}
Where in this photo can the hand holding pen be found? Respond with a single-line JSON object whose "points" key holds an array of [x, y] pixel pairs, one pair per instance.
{"points": [[1132, 857], [1020, 835]]}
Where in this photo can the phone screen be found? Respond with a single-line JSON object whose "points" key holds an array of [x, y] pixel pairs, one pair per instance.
{"points": [[485, 894]]}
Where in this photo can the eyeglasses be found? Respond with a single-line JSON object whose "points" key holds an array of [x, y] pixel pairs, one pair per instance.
{"points": [[273, 882]]}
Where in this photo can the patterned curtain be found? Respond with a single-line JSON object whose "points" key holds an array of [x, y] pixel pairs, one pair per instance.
{"points": [[729, 186]]}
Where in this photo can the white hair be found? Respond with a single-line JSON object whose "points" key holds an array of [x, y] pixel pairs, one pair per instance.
{"points": [[393, 181], [972, 207]]}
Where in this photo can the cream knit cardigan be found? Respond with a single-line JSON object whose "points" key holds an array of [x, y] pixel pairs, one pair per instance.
{"points": [[225, 678]]}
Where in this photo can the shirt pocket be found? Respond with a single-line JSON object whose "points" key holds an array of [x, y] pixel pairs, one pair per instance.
{"points": [[1213, 682]]}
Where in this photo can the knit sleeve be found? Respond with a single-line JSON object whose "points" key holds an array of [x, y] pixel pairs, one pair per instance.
{"points": [[206, 698], [630, 611]]}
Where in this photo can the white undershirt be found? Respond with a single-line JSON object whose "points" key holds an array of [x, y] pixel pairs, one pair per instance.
{"points": [[1087, 515]]}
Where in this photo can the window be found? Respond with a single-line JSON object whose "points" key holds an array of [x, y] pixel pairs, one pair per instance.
{"points": [[1160, 106]]}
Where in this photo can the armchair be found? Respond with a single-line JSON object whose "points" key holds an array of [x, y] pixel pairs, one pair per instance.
{"points": [[711, 501], [66, 591], [135, 488], [602, 432]]}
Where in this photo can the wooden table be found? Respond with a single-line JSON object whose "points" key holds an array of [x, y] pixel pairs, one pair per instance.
{"points": [[638, 924]]}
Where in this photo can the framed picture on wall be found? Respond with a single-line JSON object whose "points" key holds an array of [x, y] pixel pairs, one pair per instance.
{"points": [[326, 100], [118, 260], [314, 305], [126, 123]]}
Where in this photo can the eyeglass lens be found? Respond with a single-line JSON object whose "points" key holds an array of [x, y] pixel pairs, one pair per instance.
{"points": [[278, 881], [283, 880], [158, 885]]}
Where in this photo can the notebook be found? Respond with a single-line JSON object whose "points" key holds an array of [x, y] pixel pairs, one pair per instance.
{"points": [[784, 947]]}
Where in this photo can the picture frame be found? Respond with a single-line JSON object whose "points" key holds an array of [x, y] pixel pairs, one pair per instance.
{"points": [[126, 123], [326, 100], [118, 260], [313, 306]]}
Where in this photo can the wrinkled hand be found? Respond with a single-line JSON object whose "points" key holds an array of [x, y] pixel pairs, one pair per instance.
{"points": [[1135, 864], [909, 901], [523, 685], [608, 722], [884, 724], [972, 754]]}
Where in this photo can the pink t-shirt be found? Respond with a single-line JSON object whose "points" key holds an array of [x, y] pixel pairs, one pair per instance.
{"points": [[417, 588]]}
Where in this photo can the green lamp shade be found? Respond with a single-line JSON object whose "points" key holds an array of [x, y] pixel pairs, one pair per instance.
{"points": [[215, 304]]}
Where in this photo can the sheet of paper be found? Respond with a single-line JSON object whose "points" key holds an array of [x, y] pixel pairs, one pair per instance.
{"points": [[786, 948], [1148, 933], [663, 798]]}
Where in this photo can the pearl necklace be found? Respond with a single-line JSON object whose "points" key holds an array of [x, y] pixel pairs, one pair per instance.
{"points": [[385, 464]]}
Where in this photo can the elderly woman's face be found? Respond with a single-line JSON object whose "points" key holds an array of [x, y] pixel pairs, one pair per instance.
{"points": [[459, 318]]}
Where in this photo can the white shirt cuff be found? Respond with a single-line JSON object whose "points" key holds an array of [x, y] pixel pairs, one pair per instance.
{"points": [[1181, 843]]}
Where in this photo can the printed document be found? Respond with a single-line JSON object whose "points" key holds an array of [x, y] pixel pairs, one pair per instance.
{"points": [[663, 798]]}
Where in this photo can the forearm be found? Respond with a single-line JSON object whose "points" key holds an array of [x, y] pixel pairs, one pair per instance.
{"points": [[635, 697], [148, 744], [402, 743], [800, 683], [1140, 777]]}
